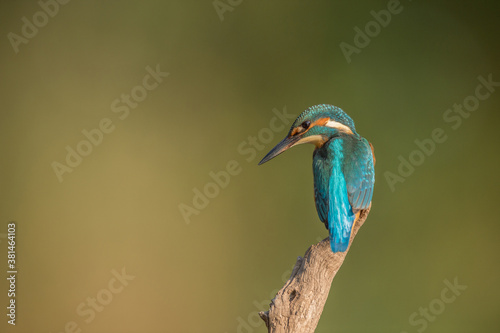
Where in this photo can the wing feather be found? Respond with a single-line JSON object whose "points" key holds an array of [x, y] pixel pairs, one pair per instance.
{"points": [[343, 185], [360, 175]]}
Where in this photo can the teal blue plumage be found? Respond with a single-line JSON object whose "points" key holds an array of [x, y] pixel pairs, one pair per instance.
{"points": [[343, 168], [343, 185]]}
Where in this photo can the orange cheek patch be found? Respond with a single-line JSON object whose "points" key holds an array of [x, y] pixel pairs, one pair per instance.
{"points": [[320, 122]]}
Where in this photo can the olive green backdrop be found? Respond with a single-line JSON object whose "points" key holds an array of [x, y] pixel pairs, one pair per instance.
{"points": [[126, 209]]}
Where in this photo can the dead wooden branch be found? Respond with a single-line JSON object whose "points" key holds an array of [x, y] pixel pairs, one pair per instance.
{"points": [[298, 305]]}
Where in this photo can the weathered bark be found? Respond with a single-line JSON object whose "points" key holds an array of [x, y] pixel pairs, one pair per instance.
{"points": [[298, 305]]}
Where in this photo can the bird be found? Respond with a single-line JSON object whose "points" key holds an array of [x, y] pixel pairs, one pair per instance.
{"points": [[343, 168]]}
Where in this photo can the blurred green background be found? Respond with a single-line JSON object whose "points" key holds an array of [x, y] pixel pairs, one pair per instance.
{"points": [[121, 206]]}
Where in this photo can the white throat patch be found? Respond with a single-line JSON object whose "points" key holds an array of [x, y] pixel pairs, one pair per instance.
{"points": [[341, 127], [317, 140]]}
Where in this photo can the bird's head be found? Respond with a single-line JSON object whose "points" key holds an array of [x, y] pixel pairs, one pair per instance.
{"points": [[316, 125]]}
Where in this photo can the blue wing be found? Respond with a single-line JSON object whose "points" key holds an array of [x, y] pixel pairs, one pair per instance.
{"points": [[322, 171], [343, 183], [360, 175]]}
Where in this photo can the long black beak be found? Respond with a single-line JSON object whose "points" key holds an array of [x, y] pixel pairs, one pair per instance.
{"points": [[286, 143]]}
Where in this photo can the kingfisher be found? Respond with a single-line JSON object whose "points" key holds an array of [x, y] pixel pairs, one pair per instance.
{"points": [[343, 168]]}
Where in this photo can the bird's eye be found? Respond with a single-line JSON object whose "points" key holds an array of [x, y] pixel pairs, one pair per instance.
{"points": [[305, 125]]}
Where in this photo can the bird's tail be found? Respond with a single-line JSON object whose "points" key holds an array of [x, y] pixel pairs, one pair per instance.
{"points": [[339, 241], [339, 245]]}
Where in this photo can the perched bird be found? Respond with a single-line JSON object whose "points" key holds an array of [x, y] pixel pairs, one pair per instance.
{"points": [[343, 167]]}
